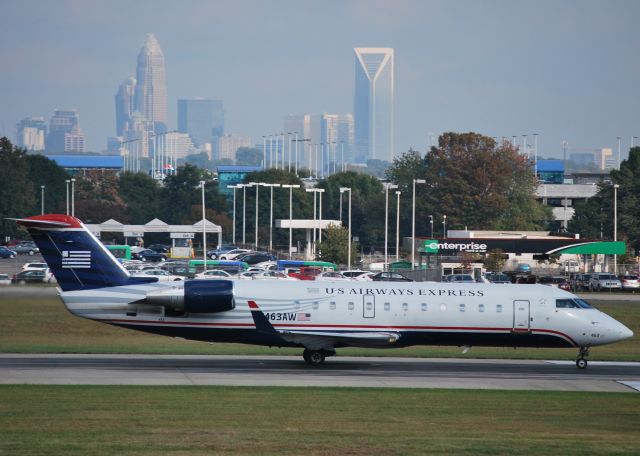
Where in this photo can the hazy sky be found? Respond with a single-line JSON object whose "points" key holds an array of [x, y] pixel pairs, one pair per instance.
{"points": [[567, 70]]}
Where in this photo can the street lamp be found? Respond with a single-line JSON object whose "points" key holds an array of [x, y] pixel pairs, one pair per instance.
{"points": [[204, 230], [257, 186], [413, 223], [398, 226], [271, 215], [444, 226], [615, 225], [42, 200], [290, 187], [431, 223], [73, 198], [234, 187], [244, 212], [315, 218], [67, 182], [342, 190], [387, 186]]}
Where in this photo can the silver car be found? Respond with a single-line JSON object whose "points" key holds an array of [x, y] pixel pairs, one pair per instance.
{"points": [[604, 281]]}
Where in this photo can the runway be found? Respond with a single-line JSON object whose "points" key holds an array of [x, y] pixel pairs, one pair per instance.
{"points": [[336, 372]]}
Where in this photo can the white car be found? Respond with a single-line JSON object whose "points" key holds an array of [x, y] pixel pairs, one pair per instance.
{"points": [[231, 255], [272, 275], [213, 274], [5, 279], [163, 276], [331, 275], [34, 266]]}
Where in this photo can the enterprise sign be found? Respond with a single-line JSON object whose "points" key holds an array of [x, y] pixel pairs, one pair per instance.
{"points": [[434, 246]]}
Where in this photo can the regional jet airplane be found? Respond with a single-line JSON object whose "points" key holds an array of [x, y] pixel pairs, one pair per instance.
{"points": [[317, 316]]}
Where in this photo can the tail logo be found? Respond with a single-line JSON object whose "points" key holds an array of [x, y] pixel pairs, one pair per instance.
{"points": [[76, 259]]}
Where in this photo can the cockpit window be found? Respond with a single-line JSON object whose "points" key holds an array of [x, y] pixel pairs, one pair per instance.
{"points": [[583, 304], [572, 304]]}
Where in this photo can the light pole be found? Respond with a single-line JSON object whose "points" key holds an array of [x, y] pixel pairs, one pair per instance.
{"points": [[387, 186], [244, 213], [619, 140], [234, 187], [315, 218], [413, 223], [398, 226], [615, 225], [431, 223], [73, 197], [257, 186], [290, 187], [342, 190], [204, 230], [67, 181], [271, 215], [42, 200], [444, 226]]}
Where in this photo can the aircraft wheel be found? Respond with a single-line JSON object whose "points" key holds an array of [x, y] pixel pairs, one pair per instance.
{"points": [[581, 363], [313, 357], [31, 252]]}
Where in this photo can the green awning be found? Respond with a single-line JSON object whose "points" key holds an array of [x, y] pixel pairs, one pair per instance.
{"points": [[592, 248]]}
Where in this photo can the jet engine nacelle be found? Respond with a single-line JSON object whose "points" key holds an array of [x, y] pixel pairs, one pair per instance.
{"points": [[197, 296]]}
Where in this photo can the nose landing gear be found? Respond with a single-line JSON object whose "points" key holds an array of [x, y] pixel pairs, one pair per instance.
{"points": [[316, 357], [581, 362]]}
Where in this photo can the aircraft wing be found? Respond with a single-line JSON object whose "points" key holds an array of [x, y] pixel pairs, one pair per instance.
{"points": [[323, 339]]}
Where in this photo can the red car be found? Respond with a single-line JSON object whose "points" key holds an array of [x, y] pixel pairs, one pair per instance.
{"points": [[306, 273]]}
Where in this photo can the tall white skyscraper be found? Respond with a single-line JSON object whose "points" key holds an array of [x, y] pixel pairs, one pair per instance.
{"points": [[373, 104], [151, 85]]}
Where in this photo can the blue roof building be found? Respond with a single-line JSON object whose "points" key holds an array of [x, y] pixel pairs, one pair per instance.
{"points": [[550, 171], [75, 163]]}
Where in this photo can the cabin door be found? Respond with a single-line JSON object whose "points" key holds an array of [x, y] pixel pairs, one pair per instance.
{"points": [[368, 306], [521, 316]]}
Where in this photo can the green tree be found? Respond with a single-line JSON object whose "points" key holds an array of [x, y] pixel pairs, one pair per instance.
{"points": [[334, 246], [43, 171], [140, 194], [17, 197], [494, 261], [595, 217], [97, 198]]}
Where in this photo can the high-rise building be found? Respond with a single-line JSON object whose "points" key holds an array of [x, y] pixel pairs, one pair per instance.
{"points": [[150, 97], [195, 117], [125, 105], [31, 133], [218, 118], [373, 104], [605, 160], [228, 145], [65, 135]]}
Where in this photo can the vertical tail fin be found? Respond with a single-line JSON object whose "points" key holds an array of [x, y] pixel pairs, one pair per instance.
{"points": [[76, 257]]}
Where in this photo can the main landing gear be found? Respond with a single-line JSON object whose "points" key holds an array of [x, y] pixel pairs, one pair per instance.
{"points": [[581, 362], [316, 357]]}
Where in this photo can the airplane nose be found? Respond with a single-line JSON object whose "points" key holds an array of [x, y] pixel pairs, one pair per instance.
{"points": [[624, 332]]}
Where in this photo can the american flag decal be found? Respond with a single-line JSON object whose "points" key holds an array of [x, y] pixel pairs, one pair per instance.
{"points": [[303, 317], [76, 259]]}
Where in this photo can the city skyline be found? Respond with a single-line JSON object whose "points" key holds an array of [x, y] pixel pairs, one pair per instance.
{"points": [[567, 72]]}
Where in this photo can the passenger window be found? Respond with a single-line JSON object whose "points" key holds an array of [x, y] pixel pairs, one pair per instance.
{"points": [[387, 306], [443, 307], [499, 308], [316, 305], [480, 307], [332, 305], [405, 306], [351, 306], [462, 307], [423, 306]]}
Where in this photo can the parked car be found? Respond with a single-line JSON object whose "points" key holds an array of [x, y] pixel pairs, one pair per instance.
{"points": [[232, 254], [160, 248], [149, 255], [256, 257], [213, 274], [331, 275], [162, 275], [387, 276], [555, 281], [34, 266], [306, 273], [215, 253], [604, 281], [278, 275], [459, 278], [497, 277], [581, 282], [523, 268], [7, 253], [34, 276], [354, 273], [5, 279], [29, 248], [629, 282]]}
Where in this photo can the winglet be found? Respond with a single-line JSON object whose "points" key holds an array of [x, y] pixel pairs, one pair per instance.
{"points": [[260, 320]]}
